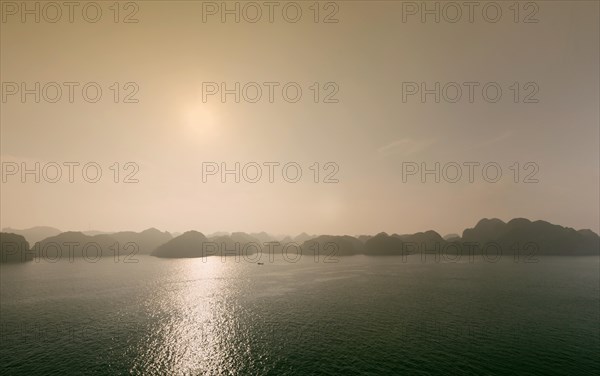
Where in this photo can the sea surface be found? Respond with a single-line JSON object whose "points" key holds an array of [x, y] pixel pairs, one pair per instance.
{"points": [[359, 315]]}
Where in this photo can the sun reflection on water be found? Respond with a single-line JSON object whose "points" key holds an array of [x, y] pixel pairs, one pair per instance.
{"points": [[194, 327]]}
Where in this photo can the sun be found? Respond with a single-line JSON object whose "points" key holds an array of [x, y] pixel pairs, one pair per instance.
{"points": [[200, 120]]}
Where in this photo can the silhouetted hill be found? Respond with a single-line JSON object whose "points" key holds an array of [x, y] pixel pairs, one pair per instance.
{"points": [[34, 234], [188, 244], [77, 244], [263, 237], [329, 245], [96, 232], [364, 238], [147, 240], [383, 245], [528, 237], [549, 239], [286, 239], [301, 238], [236, 243], [429, 238], [242, 237], [14, 248], [485, 230], [452, 237], [518, 235]]}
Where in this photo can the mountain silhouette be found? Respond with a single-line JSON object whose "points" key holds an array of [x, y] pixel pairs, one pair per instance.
{"points": [[188, 244], [519, 234], [195, 244], [452, 237], [80, 244], [383, 244], [301, 238], [14, 248], [263, 237], [430, 239], [146, 241], [34, 234], [236, 243], [364, 238], [74, 244], [328, 245], [544, 237]]}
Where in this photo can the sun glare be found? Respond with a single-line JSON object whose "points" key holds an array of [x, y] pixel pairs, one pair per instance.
{"points": [[200, 120]]}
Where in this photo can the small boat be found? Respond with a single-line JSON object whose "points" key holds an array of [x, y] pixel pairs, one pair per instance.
{"points": [[261, 263]]}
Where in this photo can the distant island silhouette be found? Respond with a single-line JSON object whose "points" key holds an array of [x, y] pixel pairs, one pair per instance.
{"points": [[539, 237]]}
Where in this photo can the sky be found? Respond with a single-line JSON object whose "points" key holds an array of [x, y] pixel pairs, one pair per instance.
{"points": [[369, 136]]}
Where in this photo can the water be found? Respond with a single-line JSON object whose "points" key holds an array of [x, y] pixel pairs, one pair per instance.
{"points": [[362, 315]]}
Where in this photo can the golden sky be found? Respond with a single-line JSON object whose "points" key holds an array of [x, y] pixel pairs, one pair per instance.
{"points": [[169, 60]]}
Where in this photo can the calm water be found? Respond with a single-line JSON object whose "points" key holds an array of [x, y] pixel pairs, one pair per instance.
{"points": [[371, 316]]}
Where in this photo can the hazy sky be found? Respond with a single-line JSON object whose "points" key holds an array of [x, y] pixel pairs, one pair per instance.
{"points": [[369, 134]]}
